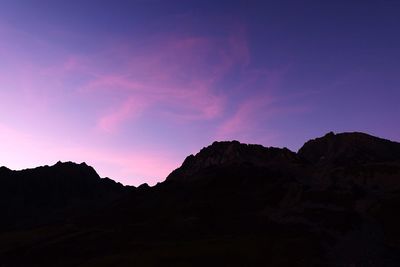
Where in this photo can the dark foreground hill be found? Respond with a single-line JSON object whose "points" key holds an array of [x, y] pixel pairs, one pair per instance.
{"points": [[334, 203]]}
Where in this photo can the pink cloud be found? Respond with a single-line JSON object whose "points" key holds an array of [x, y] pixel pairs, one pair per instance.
{"points": [[179, 76], [129, 109], [264, 103], [182, 74], [245, 119], [71, 63], [245, 122], [111, 83]]}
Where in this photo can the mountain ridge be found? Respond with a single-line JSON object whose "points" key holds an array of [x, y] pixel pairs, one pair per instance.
{"points": [[351, 147], [333, 203], [223, 152]]}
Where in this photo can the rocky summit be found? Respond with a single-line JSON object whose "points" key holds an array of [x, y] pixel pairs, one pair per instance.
{"points": [[225, 155], [333, 203], [349, 148]]}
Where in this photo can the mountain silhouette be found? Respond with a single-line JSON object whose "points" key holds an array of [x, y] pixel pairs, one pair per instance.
{"points": [[333, 203], [36, 196]]}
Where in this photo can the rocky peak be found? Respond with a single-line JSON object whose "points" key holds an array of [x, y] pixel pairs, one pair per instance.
{"points": [[4, 169], [228, 153], [72, 169], [349, 148]]}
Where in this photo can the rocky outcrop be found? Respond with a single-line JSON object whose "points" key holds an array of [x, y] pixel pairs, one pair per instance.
{"points": [[351, 161], [231, 154], [349, 148]]}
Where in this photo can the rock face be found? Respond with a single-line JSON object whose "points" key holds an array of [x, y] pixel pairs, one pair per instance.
{"points": [[334, 203], [225, 155], [356, 159], [349, 148]]}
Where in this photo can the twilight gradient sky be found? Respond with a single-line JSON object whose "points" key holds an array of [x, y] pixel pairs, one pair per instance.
{"points": [[133, 87]]}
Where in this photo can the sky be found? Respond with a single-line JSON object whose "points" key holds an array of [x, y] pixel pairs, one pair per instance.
{"points": [[133, 87]]}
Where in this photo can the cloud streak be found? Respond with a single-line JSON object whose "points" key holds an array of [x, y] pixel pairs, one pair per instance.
{"points": [[181, 77], [129, 109]]}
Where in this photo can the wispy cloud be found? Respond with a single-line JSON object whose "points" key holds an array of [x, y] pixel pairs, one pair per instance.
{"points": [[129, 109], [246, 118], [179, 74]]}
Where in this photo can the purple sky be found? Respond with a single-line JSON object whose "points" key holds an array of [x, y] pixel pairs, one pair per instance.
{"points": [[133, 87]]}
